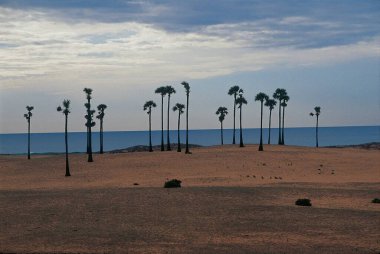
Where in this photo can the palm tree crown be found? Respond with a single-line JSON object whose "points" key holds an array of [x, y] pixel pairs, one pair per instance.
{"points": [[66, 107], [261, 97], [161, 90], [29, 114], [149, 105], [101, 108], [233, 90], [241, 100], [169, 90], [222, 112], [270, 103], [180, 107], [186, 86]]}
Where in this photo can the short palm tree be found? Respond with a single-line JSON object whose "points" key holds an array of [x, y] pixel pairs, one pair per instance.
{"points": [[317, 113], [278, 95], [162, 91], [100, 116], [28, 116], [261, 97], [222, 112], [179, 107], [234, 90], [270, 103], [187, 89], [148, 106], [66, 111], [240, 101], [169, 91], [284, 104], [89, 122]]}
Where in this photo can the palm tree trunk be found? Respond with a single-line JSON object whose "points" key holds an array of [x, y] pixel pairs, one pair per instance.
{"points": [[270, 120], [88, 132], [283, 126], [150, 131], [67, 149], [168, 134], [101, 136], [261, 129], [279, 122], [90, 144], [241, 128], [187, 124], [162, 124], [233, 137], [29, 139], [179, 138], [221, 132], [316, 133]]}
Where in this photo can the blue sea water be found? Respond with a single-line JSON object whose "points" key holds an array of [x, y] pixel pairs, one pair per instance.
{"points": [[54, 142]]}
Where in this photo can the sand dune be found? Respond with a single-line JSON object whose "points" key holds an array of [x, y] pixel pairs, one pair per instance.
{"points": [[233, 200]]}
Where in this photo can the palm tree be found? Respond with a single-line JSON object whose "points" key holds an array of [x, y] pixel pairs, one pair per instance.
{"points": [[162, 91], [240, 101], [279, 94], [222, 112], [187, 88], [234, 91], [28, 116], [261, 97], [169, 91], [89, 122], [148, 106], [100, 116], [285, 99], [270, 103], [180, 108], [66, 112], [317, 113]]}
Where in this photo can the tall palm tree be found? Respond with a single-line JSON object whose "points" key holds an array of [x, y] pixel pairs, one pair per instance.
{"points": [[162, 91], [100, 116], [148, 106], [234, 90], [187, 89], [261, 97], [222, 112], [66, 111], [28, 116], [169, 91], [285, 99], [279, 94], [89, 122], [317, 113], [270, 103], [240, 101], [180, 108]]}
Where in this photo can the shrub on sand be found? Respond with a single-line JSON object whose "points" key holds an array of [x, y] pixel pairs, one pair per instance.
{"points": [[303, 202], [376, 200], [174, 183]]}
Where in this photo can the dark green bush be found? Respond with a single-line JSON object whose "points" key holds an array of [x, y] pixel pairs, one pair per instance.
{"points": [[303, 202], [376, 200], [174, 183]]}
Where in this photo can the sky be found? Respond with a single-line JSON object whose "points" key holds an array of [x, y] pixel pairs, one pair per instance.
{"points": [[323, 52]]}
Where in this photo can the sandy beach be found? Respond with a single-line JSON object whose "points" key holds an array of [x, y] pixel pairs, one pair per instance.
{"points": [[232, 200]]}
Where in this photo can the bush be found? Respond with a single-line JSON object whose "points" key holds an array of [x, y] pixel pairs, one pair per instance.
{"points": [[174, 183], [303, 202], [376, 200]]}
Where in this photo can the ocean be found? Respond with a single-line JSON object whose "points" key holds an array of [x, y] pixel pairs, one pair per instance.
{"points": [[303, 136]]}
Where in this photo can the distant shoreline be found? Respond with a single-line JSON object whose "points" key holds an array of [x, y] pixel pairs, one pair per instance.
{"points": [[145, 148]]}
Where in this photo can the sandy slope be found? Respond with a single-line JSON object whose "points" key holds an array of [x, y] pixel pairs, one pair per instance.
{"points": [[233, 200]]}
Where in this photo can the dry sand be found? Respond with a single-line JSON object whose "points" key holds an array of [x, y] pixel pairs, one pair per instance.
{"points": [[233, 200]]}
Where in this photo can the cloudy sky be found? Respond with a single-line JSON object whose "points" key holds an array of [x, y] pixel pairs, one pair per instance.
{"points": [[323, 52]]}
